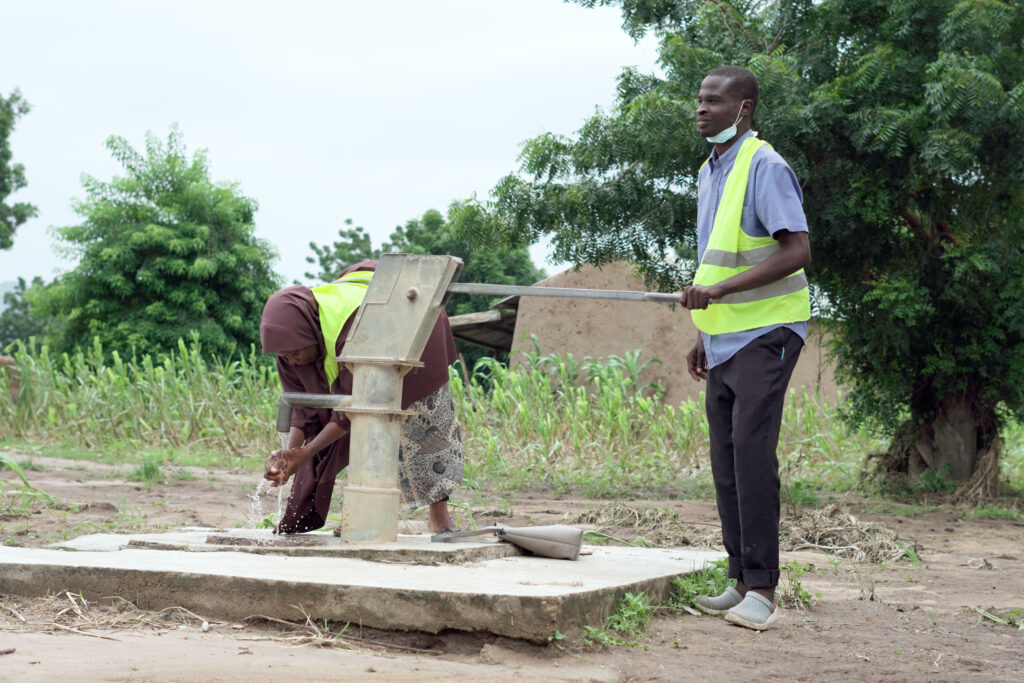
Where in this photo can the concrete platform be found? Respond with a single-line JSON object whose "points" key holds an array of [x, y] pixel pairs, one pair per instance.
{"points": [[407, 550], [517, 596]]}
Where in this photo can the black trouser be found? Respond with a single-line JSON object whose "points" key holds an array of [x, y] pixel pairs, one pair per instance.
{"points": [[745, 396]]}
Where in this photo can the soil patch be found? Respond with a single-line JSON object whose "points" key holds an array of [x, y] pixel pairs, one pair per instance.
{"points": [[898, 618]]}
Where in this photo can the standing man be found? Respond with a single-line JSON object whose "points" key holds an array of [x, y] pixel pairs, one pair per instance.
{"points": [[752, 247]]}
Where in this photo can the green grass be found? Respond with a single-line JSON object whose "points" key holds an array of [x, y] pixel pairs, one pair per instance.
{"points": [[633, 614], [121, 451], [181, 474], [268, 521], [590, 427], [933, 482], [128, 518], [898, 509], [800, 493], [17, 496], [1013, 456], [624, 626], [993, 511], [147, 471], [709, 581], [1012, 618], [791, 592]]}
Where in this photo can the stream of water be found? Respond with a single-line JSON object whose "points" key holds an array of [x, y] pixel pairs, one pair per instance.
{"points": [[255, 516]]}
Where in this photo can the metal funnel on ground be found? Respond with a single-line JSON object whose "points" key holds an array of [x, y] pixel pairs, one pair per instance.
{"points": [[557, 541]]}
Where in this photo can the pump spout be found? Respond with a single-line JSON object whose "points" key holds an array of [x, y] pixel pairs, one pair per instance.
{"points": [[284, 416], [328, 401], [557, 541]]}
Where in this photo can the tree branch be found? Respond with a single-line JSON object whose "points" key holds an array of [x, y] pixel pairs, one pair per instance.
{"points": [[914, 221], [725, 17], [654, 211], [736, 22], [796, 50], [775, 43], [620, 177], [946, 231]]}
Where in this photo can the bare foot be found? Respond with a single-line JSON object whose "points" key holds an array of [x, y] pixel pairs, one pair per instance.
{"points": [[439, 517]]}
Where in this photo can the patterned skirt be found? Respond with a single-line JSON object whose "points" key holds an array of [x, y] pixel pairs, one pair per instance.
{"points": [[430, 456]]}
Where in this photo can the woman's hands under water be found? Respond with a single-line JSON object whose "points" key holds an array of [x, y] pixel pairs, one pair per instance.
{"points": [[282, 464]]}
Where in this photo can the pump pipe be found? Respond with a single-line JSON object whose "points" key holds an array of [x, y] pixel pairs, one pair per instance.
{"points": [[322, 401], [564, 292]]}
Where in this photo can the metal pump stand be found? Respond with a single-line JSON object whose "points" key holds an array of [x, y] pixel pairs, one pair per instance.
{"points": [[385, 342]]}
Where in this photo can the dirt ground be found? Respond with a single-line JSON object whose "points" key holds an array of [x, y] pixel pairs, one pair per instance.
{"points": [[898, 621]]}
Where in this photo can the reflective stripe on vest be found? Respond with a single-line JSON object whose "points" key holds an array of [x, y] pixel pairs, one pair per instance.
{"points": [[731, 251], [337, 301]]}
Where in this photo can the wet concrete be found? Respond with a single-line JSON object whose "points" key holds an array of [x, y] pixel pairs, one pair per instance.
{"points": [[407, 549], [518, 596]]}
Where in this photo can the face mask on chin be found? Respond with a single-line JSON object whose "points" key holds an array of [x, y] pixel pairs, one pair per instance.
{"points": [[727, 134]]}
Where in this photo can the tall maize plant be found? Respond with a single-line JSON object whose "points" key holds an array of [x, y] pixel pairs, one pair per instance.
{"points": [[553, 422], [176, 400]]}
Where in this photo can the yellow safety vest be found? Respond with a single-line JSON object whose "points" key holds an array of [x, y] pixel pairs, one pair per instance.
{"points": [[337, 301], [731, 251]]}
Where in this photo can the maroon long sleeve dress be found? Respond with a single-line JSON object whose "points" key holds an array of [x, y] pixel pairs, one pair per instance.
{"points": [[290, 322]]}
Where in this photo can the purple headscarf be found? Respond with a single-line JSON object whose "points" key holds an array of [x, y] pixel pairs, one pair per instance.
{"points": [[291, 317], [291, 321]]}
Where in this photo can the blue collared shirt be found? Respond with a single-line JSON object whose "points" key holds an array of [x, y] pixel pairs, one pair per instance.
{"points": [[773, 202]]}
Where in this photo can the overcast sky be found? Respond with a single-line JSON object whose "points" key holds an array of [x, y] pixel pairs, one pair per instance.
{"points": [[321, 111]]}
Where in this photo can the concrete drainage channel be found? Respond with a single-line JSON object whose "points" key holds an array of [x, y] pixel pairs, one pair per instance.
{"points": [[410, 584]]}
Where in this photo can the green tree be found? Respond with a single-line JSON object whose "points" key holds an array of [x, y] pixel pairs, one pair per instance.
{"points": [[353, 245], [164, 252], [12, 176], [18, 320], [904, 120], [496, 264], [433, 234]]}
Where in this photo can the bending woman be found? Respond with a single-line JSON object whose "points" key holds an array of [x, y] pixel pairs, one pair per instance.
{"points": [[299, 325]]}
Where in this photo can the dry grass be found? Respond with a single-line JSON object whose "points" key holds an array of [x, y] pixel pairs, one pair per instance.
{"points": [[984, 483], [320, 635], [657, 527], [831, 529], [71, 613]]}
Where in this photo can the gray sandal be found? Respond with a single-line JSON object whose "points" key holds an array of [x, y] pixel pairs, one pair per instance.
{"points": [[717, 605], [756, 612]]}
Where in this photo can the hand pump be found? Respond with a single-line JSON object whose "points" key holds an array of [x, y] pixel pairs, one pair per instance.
{"points": [[385, 342]]}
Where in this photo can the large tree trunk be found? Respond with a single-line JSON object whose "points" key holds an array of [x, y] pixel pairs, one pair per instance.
{"points": [[959, 442]]}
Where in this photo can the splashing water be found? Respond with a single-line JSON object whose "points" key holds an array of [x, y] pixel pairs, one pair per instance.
{"points": [[256, 515], [283, 436], [257, 518], [280, 498]]}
